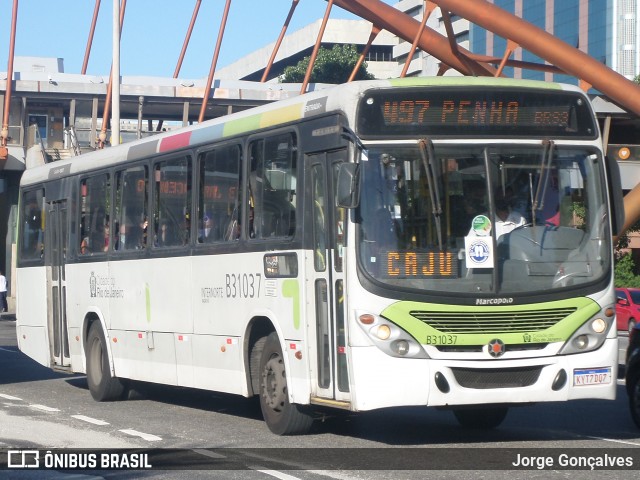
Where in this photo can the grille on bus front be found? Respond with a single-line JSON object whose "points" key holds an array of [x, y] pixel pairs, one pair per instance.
{"points": [[493, 322], [491, 378]]}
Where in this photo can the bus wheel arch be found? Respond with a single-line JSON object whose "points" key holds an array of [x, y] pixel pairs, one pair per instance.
{"points": [[255, 337], [103, 385]]}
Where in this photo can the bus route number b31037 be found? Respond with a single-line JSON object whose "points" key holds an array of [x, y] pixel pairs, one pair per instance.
{"points": [[242, 285]]}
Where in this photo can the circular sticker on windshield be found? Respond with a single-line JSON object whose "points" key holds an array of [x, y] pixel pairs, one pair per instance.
{"points": [[481, 225]]}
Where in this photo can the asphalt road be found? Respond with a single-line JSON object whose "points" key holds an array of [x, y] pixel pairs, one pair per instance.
{"points": [[223, 436]]}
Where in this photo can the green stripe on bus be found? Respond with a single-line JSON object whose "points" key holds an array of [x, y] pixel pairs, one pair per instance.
{"points": [[281, 115], [290, 289], [400, 314], [472, 81], [263, 120], [242, 125]]}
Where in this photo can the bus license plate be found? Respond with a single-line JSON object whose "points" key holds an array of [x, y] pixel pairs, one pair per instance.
{"points": [[592, 376]]}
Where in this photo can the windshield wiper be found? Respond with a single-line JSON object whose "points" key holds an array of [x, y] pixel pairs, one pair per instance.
{"points": [[543, 179], [429, 161]]}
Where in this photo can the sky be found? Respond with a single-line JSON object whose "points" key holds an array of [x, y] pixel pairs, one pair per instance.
{"points": [[153, 32]]}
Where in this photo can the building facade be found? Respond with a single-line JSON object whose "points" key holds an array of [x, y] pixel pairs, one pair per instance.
{"points": [[607, 30]]}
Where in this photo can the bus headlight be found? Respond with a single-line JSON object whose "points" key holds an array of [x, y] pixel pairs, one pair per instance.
{"points": [[401, 347], [389, 337], [590, 336]]}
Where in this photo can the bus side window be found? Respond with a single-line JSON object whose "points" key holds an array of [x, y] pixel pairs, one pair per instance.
{"points": [[272, 185], [131, 209], [172, 184], [94, 215], [219, 194], [32, 225]]}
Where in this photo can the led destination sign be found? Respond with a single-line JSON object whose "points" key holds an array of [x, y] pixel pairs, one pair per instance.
{"points": [[465, 112], [419, 264]]}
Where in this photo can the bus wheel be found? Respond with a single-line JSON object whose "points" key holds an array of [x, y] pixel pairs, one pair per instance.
{"points": [[633, 389], [481, 418], [282, 417], [102, 385]]}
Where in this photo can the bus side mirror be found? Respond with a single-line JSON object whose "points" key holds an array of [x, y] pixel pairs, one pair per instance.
{"points": [[348, 188]]}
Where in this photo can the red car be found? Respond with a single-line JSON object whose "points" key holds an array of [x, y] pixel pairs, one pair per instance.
{"points": [[627, 308]]}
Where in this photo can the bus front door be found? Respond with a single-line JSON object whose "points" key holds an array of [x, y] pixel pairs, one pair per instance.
{"points": [[330, 380], [56, 236]]}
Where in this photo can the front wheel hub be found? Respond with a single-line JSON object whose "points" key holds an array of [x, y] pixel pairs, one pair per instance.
{"points": [[274, 386]]}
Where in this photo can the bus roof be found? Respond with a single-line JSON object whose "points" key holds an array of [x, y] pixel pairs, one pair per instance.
{"points": [[341, 98]]}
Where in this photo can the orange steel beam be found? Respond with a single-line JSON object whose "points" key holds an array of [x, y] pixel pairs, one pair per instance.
{"points": [[185, 44], [517, 63], [546, 46], [428, 9], [102, 137], [92, 30], [4, 133], [267, 69], [187, 37], [214, 61], [375, 31], [455, 48], [511, 46], [314, 54], [388, 18]]}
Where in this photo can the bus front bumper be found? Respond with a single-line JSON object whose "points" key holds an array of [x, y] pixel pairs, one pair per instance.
{"points": [[381, 381]]}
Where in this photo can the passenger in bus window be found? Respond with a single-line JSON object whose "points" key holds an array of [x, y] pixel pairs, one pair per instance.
{"points": [[32, 242], [142, 239], [186, 234], [128, 238], [165, 236], [84, 245], [506, 218], [209, 231], [96, 240], [107, 234]]}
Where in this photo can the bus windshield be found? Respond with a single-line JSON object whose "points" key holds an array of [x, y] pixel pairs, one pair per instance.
{"points": [[483, 219]]}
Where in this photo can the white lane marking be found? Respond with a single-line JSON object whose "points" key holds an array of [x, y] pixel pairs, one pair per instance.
{"points": [[45, 408], [9, 397], [332, 474], [7, 350], [300, 466], [273, 473], [144, 436], [207, 453], [614, 440], [90, 420]]}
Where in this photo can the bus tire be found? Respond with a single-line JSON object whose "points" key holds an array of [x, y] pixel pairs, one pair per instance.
{"points": [[633, 390], [281, 416], [102, 385], [481, 418]]}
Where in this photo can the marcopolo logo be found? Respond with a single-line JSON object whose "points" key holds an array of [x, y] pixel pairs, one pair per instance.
{"points": [[494, 301]]}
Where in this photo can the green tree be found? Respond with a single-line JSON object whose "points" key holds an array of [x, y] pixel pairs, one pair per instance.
{"points": [[331, 66], [624, 273]]}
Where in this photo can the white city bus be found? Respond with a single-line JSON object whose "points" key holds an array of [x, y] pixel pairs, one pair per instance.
{"points": [[427, 241]]}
